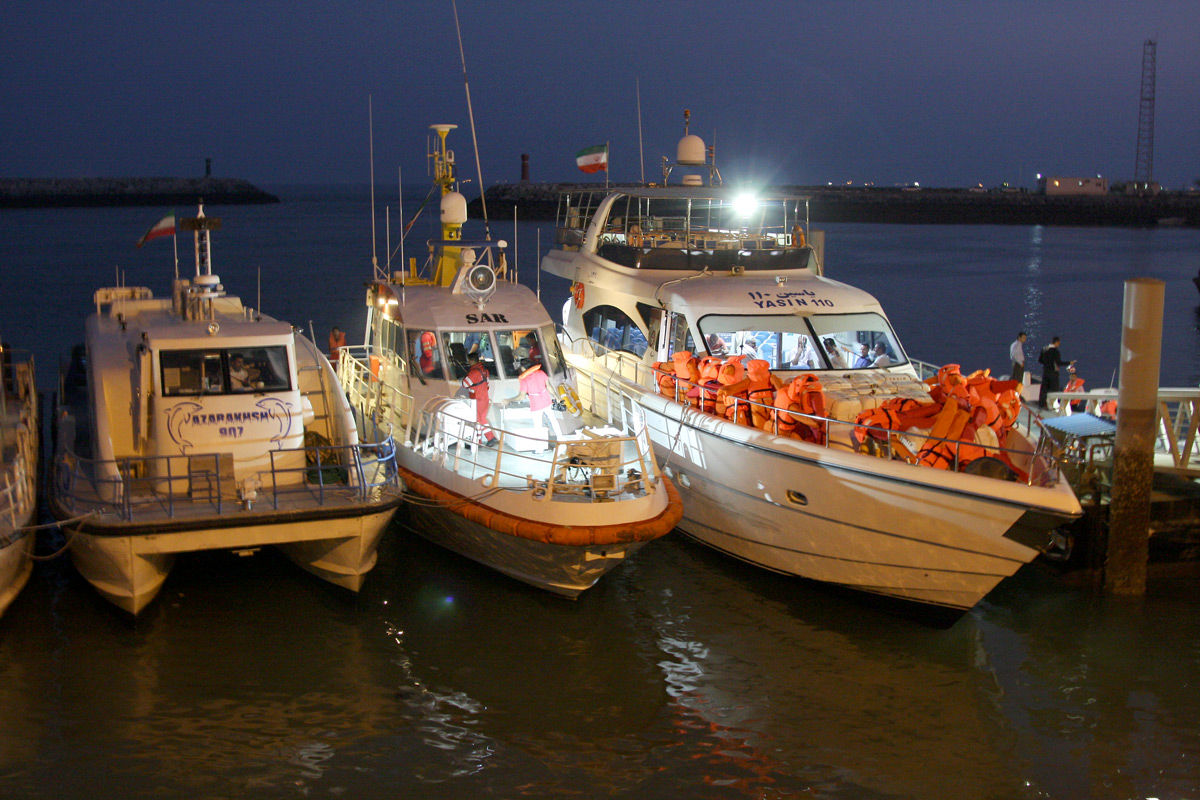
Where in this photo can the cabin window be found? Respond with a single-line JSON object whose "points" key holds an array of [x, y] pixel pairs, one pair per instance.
{"points": [[424, 352], [507, 358], [614, 329], [224, 371], [550, 353], [788, 342], [463, 347], [849, 332], [681, 336], [652, 316]]}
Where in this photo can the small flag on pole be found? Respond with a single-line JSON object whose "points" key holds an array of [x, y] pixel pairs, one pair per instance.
{"points": [[164, 227], [593, 159]]}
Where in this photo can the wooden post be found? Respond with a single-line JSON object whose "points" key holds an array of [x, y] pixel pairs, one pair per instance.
{"points": [[1133, 458]]}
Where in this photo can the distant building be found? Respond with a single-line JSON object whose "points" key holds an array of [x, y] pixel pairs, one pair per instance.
{"points": [[1058, 185]]}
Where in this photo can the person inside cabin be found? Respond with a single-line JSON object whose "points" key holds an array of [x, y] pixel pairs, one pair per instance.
{"points": [[836, 360], [804, 355], [881, 357], [716, 345], [241, 377], [337, 340], [863, 359], [428, 360], [476, 384]]}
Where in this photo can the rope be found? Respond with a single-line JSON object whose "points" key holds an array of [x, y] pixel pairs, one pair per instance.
{"points": [[28, 529]]}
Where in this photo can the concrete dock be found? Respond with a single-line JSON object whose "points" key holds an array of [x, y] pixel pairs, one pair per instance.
{"points": [[66, 192]]}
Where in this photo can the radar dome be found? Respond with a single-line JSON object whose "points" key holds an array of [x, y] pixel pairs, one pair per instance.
{"points": [[690, 150], [454, 209]]}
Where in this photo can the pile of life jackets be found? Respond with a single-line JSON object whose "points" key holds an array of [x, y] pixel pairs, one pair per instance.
{"points": [[964, 418], [971, 413], [721, 386]]}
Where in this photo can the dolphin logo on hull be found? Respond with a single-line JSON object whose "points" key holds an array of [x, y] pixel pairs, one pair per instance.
{"points": [[280, 413], [179, 415]]}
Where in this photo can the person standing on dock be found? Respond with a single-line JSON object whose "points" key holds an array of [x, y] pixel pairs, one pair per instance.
{"points": [[1016, 351], [1050, 359]]}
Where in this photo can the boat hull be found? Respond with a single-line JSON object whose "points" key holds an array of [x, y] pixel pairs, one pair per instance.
{"points": [[565, 570], [916, 534], [128, 567], [16, 565], [563, 558]]}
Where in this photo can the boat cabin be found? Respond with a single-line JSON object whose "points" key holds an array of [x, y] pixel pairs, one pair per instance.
{"points": [[438, 334]]}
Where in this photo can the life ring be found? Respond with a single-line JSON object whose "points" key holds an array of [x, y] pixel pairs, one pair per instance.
{"points": [[570, 399], [577, 291]]}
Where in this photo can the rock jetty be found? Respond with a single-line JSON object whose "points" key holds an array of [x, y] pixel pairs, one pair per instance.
{"points": [[912, 206], [61, 192]]}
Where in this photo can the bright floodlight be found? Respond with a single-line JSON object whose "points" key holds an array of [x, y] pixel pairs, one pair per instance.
{"points": [[745, 204]]}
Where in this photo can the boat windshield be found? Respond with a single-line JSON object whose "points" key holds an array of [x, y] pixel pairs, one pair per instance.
{"points": [[504, 353], [224, 371], [788, 341]]}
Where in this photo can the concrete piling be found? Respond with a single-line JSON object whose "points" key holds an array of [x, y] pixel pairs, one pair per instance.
{"points": [[1133, 457]]}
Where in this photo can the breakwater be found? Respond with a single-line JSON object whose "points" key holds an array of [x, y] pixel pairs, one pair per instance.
{"points": [[912, 206], [62, 192]]}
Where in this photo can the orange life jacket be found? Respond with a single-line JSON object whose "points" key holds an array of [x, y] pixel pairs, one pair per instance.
{"points": [[709, 367], [732, 376], [760, 388]]}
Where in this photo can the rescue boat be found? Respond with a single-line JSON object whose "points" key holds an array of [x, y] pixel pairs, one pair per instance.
{"points": [[18, 470], [192, 423], [507, 477], [837, 478]]}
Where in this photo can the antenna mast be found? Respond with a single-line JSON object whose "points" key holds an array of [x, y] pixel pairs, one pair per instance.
{"points": [[1143, 169], [471, 118]]}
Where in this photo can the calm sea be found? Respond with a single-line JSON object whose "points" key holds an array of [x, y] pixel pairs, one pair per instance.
{"points": [[682, 674]]}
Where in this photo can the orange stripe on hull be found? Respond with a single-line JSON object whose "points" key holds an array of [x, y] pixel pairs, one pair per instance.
{"points": [[572, 535]]}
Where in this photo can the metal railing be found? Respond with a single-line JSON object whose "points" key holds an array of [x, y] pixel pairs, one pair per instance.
{"points": [[1041, 464], [446, 433], [1177, 420], [158, 487], [18, 439]]}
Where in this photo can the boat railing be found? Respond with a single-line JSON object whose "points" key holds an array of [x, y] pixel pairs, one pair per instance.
{"points": [[153, 487], [445, 432], [370, 378], [18, 393], [596, 466], [18, 480], [1038, 466]]}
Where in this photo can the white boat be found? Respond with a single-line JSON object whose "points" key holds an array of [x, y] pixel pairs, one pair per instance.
{"points": [[18, 470], [708, 270], [555, 512], [193, 423]]}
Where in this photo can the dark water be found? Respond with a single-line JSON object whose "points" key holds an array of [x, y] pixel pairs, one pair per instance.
{"points": [[682, 674]]}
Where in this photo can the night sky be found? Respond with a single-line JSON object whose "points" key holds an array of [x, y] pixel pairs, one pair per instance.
{"points": [[943, 93]]}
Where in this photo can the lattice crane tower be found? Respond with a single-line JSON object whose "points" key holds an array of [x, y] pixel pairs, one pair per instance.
{"points": [[1143, 169]]}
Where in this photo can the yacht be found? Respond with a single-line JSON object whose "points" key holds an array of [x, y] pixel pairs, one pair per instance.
{"points": [[813, 475], [508, 477], [18, 470], [193, 422]]}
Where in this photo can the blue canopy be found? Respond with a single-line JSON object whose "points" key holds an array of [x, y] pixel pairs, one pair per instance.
{"points": [[1081, 425]]}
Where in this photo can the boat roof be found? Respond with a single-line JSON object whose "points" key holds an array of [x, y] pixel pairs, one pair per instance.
{"points": [[163, 326], [798, 293], [511, 305], [696, 192]]}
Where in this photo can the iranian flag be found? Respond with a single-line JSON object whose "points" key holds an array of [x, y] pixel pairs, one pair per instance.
{"points": [[593, 159], [164, 227]]}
